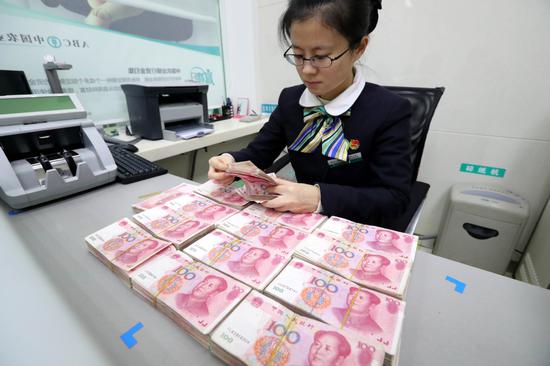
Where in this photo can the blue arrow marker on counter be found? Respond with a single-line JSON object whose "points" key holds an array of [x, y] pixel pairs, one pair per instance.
{"points": [[128, 336], [459, 286]]}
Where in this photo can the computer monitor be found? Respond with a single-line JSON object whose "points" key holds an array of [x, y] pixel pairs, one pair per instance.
{"points": [[13, 82]]}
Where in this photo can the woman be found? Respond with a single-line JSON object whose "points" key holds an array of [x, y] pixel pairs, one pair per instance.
{"points": [[348, 140]]}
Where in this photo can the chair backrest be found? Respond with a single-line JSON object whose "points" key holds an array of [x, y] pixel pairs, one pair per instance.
{"points": [[423, 101]]}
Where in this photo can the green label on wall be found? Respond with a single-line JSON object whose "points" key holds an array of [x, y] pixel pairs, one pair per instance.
{"points": [[483, 170]]}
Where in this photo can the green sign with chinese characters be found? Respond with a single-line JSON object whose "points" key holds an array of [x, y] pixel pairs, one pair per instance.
{"points": [[483, 170]]}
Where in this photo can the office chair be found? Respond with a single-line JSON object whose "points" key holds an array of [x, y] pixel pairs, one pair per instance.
{"points": [[424, 102]]}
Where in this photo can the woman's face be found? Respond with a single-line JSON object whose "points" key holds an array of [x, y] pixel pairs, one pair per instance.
{"points": [[312, 38]]}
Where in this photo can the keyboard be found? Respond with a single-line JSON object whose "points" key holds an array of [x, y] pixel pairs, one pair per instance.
{"points": [[133, 168]]}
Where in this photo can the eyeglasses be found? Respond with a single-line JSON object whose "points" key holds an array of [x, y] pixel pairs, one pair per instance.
{"points": [[316, 61]]}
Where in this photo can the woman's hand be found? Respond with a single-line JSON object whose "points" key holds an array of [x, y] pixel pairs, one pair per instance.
{"points": [[218, 166], [294, 197]]}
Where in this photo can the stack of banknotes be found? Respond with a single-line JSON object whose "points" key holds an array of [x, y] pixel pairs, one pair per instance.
{"points": [[261, 332], [193, 295], [184, 219], [146, 277], [263, 233], [305, 222], [325, 291], [251, 264], [374, 317], [228, 195], [123, 246], [371, 237], [256, 182], [161, 198], [382, 271]]}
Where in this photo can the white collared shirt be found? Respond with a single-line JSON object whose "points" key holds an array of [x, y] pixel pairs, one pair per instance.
{"points": [[338, 106], [342, 102]]}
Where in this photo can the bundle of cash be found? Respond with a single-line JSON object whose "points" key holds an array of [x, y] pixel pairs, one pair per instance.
{"points": [[163, 197], [371, 237], [263, 233], [123, 246], [375, 317], [200, 208], [256, 182], [306, 222], [227, 195], [262, 332], [167, 224], [193, 295], [147, 276], [248, 263], [184, 219], [384, 272]]}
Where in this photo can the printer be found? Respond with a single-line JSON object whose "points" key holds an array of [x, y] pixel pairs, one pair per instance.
{"points": [[168, 111], [49, 149]]}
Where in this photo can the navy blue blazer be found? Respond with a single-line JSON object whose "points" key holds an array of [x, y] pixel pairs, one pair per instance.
{"points": [[370, 191]]}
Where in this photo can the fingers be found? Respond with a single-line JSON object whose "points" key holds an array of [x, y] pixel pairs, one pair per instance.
{"points": [[220, 177], [219, 163], [279, 204]]}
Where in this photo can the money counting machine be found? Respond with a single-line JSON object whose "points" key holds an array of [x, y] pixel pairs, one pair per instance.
{"points": [[170, 112], [49, 149]]}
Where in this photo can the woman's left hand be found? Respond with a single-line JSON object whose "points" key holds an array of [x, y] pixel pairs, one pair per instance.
{"points": [[294, 197]]}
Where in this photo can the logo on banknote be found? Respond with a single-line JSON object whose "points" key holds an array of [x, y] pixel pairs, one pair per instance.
{"points": [[270, 351], [315, 297], [113, 244], [336, 260], [168, 284]]}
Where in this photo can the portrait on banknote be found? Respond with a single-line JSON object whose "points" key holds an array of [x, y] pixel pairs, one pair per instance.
{"points": [[196, 302], [357, 315]]}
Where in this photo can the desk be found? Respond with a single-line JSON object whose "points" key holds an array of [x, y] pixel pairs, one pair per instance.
{"points": [[62, 306], [223, 131]]}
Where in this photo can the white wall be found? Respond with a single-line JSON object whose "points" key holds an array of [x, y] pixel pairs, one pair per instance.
{"points": [[240, 48], [493, 58]]}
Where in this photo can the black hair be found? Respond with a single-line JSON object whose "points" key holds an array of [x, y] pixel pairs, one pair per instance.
{"points": [[353, 19]]}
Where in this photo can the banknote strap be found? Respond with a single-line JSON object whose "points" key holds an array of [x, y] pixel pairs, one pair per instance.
{"points": [[171, 280], [291, 323], [330, 279], [224, 248], [355, 231], [125, 251], [184, 220], [248, 230], [352, 302]]}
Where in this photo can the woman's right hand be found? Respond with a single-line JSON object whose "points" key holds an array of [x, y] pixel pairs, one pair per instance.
{"points": [[218, 166]]}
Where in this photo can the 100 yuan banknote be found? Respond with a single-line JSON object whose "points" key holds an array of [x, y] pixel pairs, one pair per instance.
{"points": [[167, 224], [371, 237], [381, 271], [306, 222], [263, 233], [199, 294], [200, 208], [275, 336], [251, 264], [376, 317], [163, 197], [125, 245]]}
